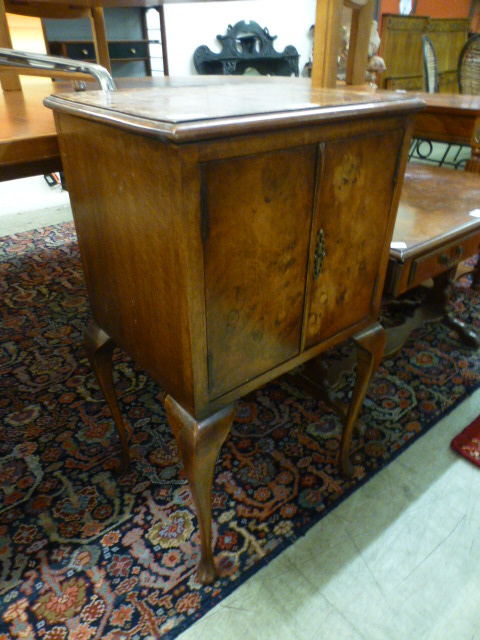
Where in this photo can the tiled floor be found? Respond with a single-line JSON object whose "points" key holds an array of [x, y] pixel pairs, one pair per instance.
{"points": [[398, 560], [30, 203]]}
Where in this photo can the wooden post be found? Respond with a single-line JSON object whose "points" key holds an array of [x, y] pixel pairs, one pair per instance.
{"points": [[359, 40], [327, 38], [8, 81], [326, 43], [163, 32], [100, 38]]}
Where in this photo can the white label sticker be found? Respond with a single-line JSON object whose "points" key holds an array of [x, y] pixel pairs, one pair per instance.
{"points": [[398, 245], [475, 213]]}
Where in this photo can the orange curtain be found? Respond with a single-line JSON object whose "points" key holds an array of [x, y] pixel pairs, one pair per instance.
{"points": [[475, 24], [443, 8]]}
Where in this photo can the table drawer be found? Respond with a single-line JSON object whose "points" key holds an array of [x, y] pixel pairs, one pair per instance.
{"points": [[437, 262], [80, 50], [84, 50], [128, 50]]}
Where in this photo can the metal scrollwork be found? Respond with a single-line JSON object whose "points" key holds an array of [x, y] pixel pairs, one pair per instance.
{"points": [[319, 254], [439, 154]]}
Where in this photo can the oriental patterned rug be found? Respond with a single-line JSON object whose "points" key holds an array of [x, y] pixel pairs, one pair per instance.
{"points": [[86, 554], [467, 443]]}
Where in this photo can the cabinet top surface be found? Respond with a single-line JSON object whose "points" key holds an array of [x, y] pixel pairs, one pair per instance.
{"points": [[450, 211], [211, 106], [457, 103]]}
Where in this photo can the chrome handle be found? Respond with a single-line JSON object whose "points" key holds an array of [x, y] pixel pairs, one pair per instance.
{"points": [[12, 58]]}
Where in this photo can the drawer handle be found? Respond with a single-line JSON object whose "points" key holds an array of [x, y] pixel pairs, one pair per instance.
{"points": [[85, 52], [319, 254], [132, 50], [450, 262]]}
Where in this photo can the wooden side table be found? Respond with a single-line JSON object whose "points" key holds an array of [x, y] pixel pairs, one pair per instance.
{"points": [[231, 231], [28, 145], [437, 227], [451, 118]]}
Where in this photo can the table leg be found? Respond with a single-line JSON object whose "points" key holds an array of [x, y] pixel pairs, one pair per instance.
{"points": [[99, 347], [100, 38], [9, 81], [370, 345], [473, 165], [316, 380], [440, 294], [199, 443], [476, 274], [360, 33], [328, 29]]}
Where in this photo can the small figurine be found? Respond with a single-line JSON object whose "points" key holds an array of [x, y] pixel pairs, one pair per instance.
{"points": [[375, 63]]}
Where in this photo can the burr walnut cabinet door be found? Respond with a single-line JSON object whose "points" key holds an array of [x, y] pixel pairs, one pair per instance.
{"points": [[351, 220], [256, 224]]}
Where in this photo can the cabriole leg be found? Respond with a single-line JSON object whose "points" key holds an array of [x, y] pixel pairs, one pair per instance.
{"points": [[370, 345], [476, 273], [199, 443], [440, 294], [100, 348]]}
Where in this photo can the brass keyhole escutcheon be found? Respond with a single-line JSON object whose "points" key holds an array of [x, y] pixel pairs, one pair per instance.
{"points": [[319, 254], [451, 261]]}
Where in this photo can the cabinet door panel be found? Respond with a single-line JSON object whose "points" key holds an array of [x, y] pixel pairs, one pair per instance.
{"points": [[257, 214], [352, 213]]}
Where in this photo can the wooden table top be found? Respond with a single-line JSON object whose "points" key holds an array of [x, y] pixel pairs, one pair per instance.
{"points": [[85, 4], [453, 103], [28, 138], [22, 114], [27, 129], [207, 107], [447, 117], [451, 118], [451, 210]]}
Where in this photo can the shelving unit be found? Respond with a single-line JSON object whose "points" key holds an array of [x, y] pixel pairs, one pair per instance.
{"points": [[127, 36], [120, 51]]}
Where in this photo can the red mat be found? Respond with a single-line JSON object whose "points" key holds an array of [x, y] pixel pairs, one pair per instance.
{"points": [[467, 443]]}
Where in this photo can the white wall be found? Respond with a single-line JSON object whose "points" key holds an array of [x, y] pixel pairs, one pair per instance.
{"points": [[191, 25]]}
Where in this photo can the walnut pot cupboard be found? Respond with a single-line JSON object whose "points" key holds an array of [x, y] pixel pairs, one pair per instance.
{"points": [[231, 231]]}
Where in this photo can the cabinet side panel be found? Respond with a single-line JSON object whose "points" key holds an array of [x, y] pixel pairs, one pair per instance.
{"points": [[257, 213], [352, 218], [126, 200]]}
